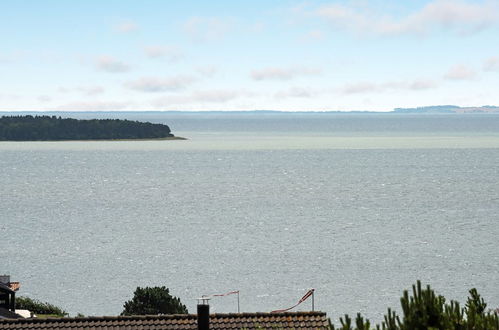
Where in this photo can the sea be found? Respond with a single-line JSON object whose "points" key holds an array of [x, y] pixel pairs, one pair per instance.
{"points": [[358, 206]]}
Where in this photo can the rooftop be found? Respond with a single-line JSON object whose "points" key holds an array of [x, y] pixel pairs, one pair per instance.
{"points": [[249, 321]]}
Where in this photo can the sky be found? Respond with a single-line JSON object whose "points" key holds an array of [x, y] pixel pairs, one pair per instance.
{"points": [[124, 55]]}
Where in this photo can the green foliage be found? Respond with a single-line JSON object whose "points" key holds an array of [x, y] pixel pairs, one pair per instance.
{"points": [[424, 309], [44, 128], [152, 301], [39, 307]]}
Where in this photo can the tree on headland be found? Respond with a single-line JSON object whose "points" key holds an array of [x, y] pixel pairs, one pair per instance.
{"points": [[46, 128], [153, 301]]}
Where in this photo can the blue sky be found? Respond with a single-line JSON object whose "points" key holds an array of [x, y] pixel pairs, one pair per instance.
{"points": [[247, 55]]}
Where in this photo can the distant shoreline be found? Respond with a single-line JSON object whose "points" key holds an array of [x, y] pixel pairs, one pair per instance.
{"points": [[101, 140]]}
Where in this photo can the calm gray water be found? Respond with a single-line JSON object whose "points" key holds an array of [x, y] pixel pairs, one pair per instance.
{"points": [[356, 206]]}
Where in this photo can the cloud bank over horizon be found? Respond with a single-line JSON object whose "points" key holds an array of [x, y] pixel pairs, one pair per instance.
{"points": [[294, 55]]}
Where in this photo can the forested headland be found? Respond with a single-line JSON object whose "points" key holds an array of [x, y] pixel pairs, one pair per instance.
{"points": [[52, 128]]}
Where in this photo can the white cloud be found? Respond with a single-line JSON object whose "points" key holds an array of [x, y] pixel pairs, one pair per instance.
{"points": [[460, 16], [207, 71], [95, 106], [44, 98], [218, 96], [91, 90], [171, 53], [295, 92], [207, 28], [370, 87], [200, 97], [87, 90], [110, 64], [422, 85], [360, 87], [491, 64], [11, 97], [415, 85], [273, 73], [153, 84], [126, 27], [313, 35], [460, 72], [257, 27], [11, 57]]}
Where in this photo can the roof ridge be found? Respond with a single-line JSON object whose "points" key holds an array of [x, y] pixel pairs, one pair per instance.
{"points": [[304, 313]]}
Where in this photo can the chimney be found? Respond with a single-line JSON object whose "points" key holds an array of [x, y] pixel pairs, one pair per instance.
{"points": [[203, 313], [5, 279]]}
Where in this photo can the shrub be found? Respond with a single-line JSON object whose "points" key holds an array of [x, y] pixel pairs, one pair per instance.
{"points": [[39, 307], [424, 309]]}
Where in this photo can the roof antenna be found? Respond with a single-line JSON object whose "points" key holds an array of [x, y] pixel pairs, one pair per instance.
{"points": [[305, 297], [226, 294]]}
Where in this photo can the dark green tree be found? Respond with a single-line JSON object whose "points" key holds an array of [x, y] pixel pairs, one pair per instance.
{"points": [[153, 301], [424, 309]]}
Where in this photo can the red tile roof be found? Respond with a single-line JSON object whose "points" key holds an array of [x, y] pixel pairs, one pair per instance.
{"points": [[249, 321], [14, 286]]}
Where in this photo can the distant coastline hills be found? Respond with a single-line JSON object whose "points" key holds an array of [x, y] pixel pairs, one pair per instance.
{"points": [[449, 109]]}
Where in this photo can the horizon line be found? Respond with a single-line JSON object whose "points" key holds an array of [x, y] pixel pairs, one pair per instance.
{"points": [[394, 110]]}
